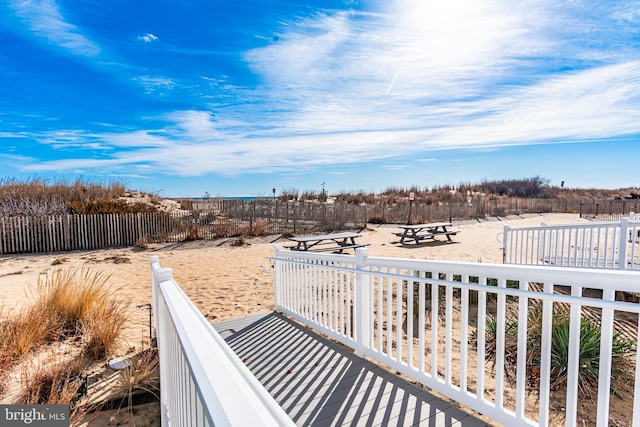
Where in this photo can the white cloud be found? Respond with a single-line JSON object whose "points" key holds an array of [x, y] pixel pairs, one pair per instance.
{"points": [[148, 38], [44, 18]]}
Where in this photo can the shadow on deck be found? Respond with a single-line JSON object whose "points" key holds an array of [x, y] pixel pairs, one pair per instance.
{"points": [[319, 383]]}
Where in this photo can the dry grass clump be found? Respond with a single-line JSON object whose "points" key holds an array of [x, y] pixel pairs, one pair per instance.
{"points": [[259, 228], [102, 327], [20, 333], [62, 382], [72, 303], [52, 383], [142, 243], [193, 233], [223, 229], [142, 375]]}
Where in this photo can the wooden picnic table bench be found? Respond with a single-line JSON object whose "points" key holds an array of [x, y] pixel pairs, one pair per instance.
{"points": [[420, 232], [336, 242]]}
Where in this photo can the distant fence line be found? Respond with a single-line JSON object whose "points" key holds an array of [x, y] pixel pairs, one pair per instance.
{"points": [[217, 218]]}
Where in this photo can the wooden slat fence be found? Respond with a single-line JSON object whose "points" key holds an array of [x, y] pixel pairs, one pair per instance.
{"points": [[217, 218]]}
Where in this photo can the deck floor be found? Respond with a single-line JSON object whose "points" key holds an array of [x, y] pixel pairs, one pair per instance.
{"points": [[319, 383]]}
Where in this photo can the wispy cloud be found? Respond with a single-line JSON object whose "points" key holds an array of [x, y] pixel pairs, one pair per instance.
{"points": [[43, 18], [155, 85], [453, 75], [148, 38]]}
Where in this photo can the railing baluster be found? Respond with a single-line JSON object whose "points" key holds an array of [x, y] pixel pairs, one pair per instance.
{"points": [[521, 367], [574, 353], [435, 308], [448, 329], [464, 334], [606, 347], [500, 344]]}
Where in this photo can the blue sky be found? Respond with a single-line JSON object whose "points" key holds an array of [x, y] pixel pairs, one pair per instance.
{"points": [[238, 97]]}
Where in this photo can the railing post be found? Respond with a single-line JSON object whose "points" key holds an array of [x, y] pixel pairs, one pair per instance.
{"points": [[622, 243], [362, 312], [542, 244], [155, 260], [163, 341], [505, 243], [277, 282]]}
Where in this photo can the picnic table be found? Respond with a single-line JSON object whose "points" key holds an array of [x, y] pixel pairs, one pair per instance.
{"points": [[419, 232], [327, 242]]}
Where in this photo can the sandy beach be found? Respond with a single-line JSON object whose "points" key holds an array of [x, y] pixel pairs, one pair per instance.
{"points": [[226, 279]]}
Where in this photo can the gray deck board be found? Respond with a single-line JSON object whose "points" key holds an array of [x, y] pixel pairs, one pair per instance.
{"points": [[319, 383]]}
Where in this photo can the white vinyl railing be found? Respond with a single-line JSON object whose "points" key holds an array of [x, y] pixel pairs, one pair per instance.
{"points": [[609, 245], [468, 330], [203, 381]]}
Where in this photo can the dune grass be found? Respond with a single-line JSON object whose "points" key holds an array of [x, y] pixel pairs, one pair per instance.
{"points": [[74, 303], [74, 306], [52, 383]]}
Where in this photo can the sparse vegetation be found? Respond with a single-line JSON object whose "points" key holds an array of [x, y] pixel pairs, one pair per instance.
{"points": [[535, 187], [193, 233], [41, 197], [142, 375], [293, 211], [59, 382]]}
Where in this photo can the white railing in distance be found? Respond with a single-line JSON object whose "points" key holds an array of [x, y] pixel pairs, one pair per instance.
{"points": [[203, 382], [609, 245], [412, 314]]}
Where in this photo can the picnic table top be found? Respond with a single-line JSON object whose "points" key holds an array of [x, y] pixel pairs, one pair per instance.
{"points": [[343, 235], [429, 225]]}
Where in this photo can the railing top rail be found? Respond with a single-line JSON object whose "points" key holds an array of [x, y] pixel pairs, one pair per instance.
{"points": [[607, 224], [230, 393], [625, 280], [633, 220]]}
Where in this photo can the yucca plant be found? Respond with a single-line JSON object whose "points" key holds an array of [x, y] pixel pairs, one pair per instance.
{"points": [[589, 352]]}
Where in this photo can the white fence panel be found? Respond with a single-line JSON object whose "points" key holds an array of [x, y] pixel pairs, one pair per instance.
{"points": [[203, 381], [607, 245], [467, 330]]}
